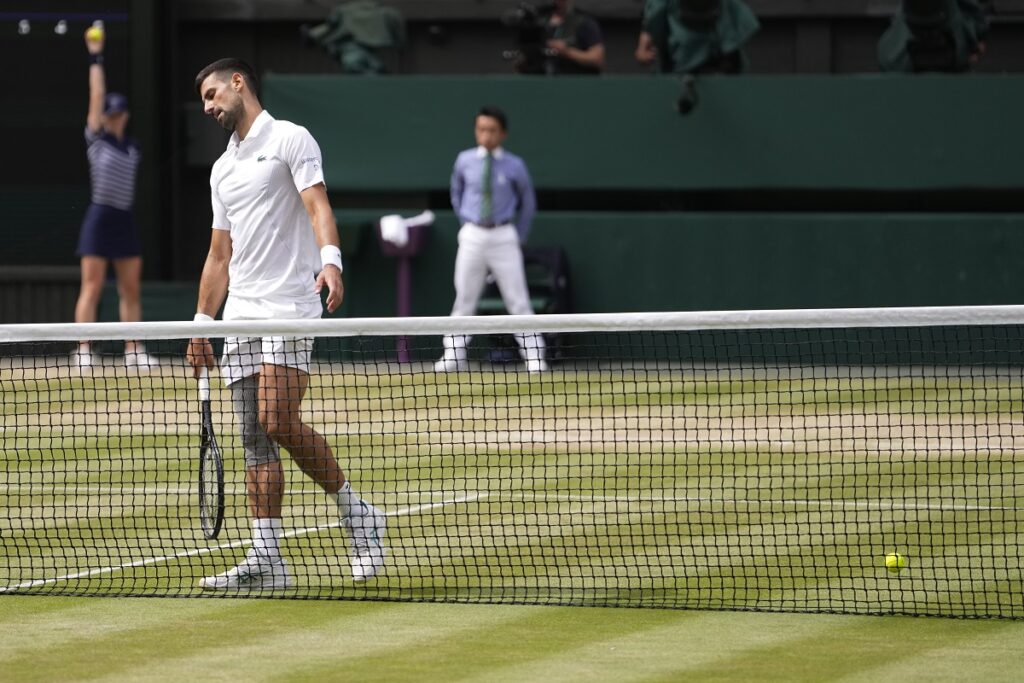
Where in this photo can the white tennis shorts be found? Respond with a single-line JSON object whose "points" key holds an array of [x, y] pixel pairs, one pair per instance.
{"points": [[244, 356]]}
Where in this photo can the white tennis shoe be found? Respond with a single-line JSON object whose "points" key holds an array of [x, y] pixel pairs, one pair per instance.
{"points": [[252, 573], [536, 365], [82, 360], [451, 365], [141, 360], [366, 532]]}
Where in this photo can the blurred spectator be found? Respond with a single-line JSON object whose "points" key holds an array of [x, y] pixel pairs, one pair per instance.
{"points": [[354, 31], [934, 35], [696, 36], [574, 40], [555, 39]]}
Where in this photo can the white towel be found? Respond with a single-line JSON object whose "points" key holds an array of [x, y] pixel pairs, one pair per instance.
{"points": [[394, 229], [425, 218]]}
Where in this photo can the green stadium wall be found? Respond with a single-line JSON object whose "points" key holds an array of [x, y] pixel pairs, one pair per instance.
{"points": [[913, 136], [702, 261], [870, 132]]}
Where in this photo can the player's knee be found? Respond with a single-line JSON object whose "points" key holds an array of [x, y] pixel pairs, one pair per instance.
{"points": [[91, 291], [259, 448], [269, 424], [279, 427], [129, 290]]}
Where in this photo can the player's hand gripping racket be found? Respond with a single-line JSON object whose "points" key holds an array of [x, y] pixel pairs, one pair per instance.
{"points": [[211, 466]]}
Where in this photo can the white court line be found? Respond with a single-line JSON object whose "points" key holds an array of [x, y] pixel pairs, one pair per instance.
{"points": [[72, 490], [401, 512], [851, 504], [40, 489], [526, 496]]}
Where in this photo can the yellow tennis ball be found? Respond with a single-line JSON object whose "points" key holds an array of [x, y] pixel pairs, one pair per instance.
{"points": [[94, 33], [895, 562]]}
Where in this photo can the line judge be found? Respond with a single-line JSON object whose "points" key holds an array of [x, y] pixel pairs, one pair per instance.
{"points": [[493, 196]]}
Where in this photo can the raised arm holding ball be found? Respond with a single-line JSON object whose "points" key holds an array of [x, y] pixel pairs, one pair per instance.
{"points": [[109, 234]]}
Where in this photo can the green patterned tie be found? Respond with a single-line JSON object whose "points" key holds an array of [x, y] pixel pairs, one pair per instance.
{"points": [[486, 202]]}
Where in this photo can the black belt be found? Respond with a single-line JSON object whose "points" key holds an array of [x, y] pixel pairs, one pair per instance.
{"points": [[490, 225]]}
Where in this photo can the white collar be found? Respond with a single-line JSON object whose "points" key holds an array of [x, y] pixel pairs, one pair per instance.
{"points": [[261, 120], [481, 152]]}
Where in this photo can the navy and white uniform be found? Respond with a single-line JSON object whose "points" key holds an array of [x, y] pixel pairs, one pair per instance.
{"points": [[109, 229]]}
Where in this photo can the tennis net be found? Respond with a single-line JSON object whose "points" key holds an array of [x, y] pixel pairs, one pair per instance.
{"points": [[854, 460]]}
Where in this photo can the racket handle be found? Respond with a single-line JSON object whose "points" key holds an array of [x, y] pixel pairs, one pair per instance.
{"points": [[204, 384]]}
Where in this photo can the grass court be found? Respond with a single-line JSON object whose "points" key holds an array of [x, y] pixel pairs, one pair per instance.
{"points": [[656, 486]]}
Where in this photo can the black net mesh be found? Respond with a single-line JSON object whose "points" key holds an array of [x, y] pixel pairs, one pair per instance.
{"points": [[751, 470]]}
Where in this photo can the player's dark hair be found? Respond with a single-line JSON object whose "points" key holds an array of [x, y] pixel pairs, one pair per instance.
{"points": [[229, 65], [496, 114]]}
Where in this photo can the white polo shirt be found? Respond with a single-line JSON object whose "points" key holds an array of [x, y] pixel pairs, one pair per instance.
{"points": [[255, 188]]}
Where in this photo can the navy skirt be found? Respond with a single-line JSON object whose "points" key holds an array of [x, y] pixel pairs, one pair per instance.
{"points": [[108, 232]]}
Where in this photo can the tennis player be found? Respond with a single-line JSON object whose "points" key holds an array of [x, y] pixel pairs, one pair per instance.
{"points": [[109, 234], [271, 215]]}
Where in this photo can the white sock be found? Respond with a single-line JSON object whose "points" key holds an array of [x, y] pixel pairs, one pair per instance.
{"points": [[266, 537], [348, 500]]}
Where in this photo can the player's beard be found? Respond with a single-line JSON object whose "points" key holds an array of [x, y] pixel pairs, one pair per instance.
{"points": [[231, 117]]}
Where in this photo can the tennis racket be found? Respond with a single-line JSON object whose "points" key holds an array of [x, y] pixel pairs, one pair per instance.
{"points": [[211, 466]]}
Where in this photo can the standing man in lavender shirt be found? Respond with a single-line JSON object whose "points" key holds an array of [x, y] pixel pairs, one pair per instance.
{"points": [[493, 197]]}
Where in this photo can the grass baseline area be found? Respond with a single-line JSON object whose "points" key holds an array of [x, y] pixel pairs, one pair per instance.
{"points": [[704, 488], [115, 639]]}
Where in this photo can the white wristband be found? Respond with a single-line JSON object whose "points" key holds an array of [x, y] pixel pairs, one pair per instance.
{"points": [[202, 318], [330, 256]]}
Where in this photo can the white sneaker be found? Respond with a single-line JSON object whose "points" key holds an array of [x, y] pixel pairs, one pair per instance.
{"points": [[252, 573], [450, 365], [535, 365], [366, 533], [82, 360], [141, 360]]}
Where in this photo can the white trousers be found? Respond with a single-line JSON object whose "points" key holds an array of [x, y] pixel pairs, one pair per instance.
{"points": [[495, 250]]}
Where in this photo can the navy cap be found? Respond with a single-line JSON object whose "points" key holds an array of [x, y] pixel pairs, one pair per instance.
{"points": [[114, 103]]}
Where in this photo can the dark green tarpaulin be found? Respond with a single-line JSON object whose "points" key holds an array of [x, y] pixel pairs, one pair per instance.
{"points": [[354, 30], [966, 24], [687, 48]]}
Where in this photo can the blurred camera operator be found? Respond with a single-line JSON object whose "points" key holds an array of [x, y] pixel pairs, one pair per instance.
{"points": [[574, 40], [556, 39]]}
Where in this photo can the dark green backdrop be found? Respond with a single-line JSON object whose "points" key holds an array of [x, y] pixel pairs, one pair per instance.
{"points": [[920, 136], [804, 132], [661, 262]]}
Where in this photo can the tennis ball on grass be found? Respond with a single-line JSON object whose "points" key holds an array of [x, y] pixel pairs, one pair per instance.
{"points": [[895, 562]]}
